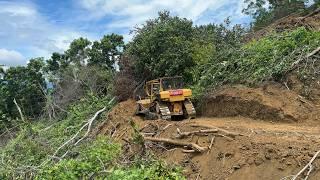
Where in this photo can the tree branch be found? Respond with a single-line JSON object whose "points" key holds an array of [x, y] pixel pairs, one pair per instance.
{"points": [[304, 168], [19, 109]]}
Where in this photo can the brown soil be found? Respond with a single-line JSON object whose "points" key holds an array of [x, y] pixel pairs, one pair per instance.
{"points": [[272, 102], [279, 128]]}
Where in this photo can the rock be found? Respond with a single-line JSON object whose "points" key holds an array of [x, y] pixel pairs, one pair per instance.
{"points": [[267, 156], [250, 160], [281, 168], [235, 167], [310, 154], [229, 154], [285, 154], [258, 161]]}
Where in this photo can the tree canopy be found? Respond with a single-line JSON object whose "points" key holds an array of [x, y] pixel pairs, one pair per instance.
{"points": [[162, 47], [265, 12]]}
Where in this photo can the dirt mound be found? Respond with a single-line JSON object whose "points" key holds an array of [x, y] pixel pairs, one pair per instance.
{"points": [[117, 124], [258, 149], [291, 22], [271, 102]]}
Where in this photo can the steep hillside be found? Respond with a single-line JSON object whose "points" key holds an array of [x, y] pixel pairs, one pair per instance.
{"points": [[310, 21]]}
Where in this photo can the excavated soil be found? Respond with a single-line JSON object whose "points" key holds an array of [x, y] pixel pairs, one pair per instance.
{"points": [[271, 102], [278, 134]]}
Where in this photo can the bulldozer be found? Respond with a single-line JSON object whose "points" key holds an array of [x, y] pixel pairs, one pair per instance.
{"points": [[165, 98]]}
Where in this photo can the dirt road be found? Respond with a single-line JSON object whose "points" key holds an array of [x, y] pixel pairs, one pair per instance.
{"points": [[265, 151]]}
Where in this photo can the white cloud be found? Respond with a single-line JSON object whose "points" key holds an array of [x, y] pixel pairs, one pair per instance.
{"points": [[24, 28], [128, 13], [11, 58], [136, 12]]}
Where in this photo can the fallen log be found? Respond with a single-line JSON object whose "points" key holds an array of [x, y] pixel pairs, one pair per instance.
{"points": [[193, 146], [227, 133], [201, 131]]}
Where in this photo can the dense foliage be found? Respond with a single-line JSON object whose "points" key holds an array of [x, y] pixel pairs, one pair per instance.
{"points": [[25, 156], [26, 86], [162, 47], [266, 59]]}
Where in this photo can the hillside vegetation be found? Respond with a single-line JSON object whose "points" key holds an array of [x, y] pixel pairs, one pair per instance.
{"points": [[46, 107]]}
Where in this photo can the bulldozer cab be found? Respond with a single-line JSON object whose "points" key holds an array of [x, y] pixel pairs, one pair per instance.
{"points": [[154, 87], [171, 83]]}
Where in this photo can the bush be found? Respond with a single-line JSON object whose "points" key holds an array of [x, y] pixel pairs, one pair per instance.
{"points": [[156, 171], [269, 58], [93, 159]]}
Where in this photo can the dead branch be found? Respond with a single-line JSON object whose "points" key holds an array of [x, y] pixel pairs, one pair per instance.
{"points": [[168, 125], [193, 146], [75, 135], [198, 132], [311, 14], [149, 134], [211, 143], [124, 131], [228, 138], [227, 133], [188, 151], [141, 129], [19, 109], [305, 167], [89, 124], [313, 52], [294, 64]]}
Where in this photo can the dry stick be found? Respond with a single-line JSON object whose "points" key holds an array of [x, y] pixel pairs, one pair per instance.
{"points": [[141, 129], [19, 109], [90, 121], [310, 169], [229, 138], [188, 151], [194, 146], [308, 165], [211, 143], [124, 131], [311, 14], [202, 131], [293, 65], [313, 52], [168, 125]]}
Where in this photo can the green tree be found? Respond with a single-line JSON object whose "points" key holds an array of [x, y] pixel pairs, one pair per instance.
{"points": [[107, 50], [163, 47], [78, 51], [265, 12], [25, 84], [56, 61]]}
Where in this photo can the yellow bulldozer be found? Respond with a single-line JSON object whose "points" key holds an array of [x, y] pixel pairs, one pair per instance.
{"points": [[166, 98]]}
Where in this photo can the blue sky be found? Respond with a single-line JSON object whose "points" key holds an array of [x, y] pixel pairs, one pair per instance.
{"points": [[36, 28]]}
